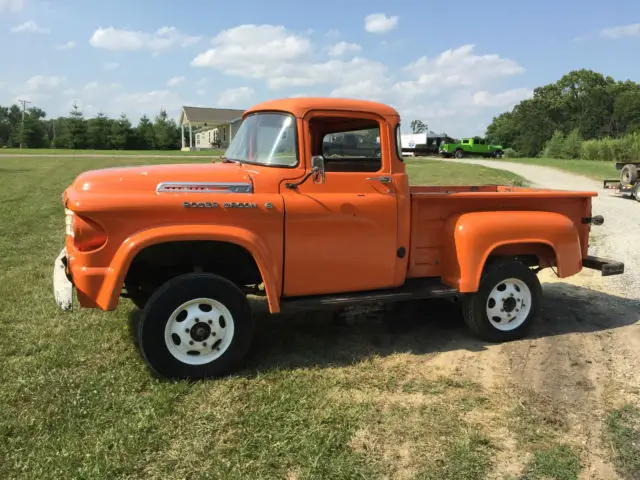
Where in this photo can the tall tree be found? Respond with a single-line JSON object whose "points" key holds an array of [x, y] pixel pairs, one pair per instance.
{"points": [[77, 129], [145, 135], [99, 132], [418, 126], [32, 132], [122, 135], [167, 135]]}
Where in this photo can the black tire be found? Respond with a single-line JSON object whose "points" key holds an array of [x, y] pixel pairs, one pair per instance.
{"points": [[629, 174], [498, 154], [474, 306], [168, 298], [138, 296], [636, 191], [458, 154]]}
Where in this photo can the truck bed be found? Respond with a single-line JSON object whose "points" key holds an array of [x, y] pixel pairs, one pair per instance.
{"points": [[432, 205]]}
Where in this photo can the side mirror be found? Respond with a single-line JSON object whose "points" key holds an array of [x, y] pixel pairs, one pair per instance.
{"points": [[317, 167]]}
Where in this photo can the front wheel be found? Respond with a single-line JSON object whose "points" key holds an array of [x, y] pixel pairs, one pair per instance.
{"points": [[459, 154], [498, 154], [636, 191], [195, 326], [506, 303]]}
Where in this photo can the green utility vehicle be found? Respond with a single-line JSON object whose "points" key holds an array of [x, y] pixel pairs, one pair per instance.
{"points": [[471, 147]]}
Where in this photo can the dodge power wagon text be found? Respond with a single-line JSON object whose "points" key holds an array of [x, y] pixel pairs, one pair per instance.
{"points": [[294, 214]]}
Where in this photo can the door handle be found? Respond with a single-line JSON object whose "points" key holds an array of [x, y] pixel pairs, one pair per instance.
{"points": [[381, 179]]}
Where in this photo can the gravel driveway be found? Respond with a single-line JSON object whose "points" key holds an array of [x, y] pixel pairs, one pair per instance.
{"points": [[617, 238]]}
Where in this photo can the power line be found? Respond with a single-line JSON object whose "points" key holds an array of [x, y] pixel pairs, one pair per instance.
{"points": [[24, 108]]}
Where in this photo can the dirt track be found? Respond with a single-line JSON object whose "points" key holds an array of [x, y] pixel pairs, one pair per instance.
{"points": [[582, 357]]}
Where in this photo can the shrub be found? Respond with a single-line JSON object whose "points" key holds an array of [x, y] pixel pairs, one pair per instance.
{"points": [[571, 145], [511, 153], [634, 146], [590, 150], [554, 146]]}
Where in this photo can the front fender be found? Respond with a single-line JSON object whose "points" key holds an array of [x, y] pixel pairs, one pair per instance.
{"points": [[471, 237], [125, 254]]}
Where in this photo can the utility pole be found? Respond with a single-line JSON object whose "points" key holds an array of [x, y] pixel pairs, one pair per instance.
{"points": [[24, 108]]}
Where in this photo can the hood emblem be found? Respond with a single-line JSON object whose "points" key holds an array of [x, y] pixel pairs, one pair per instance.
{"points": [[204, 187], [216, 205]]}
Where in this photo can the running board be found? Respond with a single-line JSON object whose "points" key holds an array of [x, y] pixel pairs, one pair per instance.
{"points": [[414, 289]]}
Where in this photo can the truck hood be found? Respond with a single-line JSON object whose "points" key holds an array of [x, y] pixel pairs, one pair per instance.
{"points": [[175, 177]]}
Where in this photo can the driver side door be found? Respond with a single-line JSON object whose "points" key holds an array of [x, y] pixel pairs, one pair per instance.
{"points": [[341, 235]]}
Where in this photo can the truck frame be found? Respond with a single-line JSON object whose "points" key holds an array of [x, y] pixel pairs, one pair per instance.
{"points": [[310, 208]]}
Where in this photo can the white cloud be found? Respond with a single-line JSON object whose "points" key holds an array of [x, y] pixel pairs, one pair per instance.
{"points": [[29, 27], [66, 46], [162, 39], [506, 99], [622, 31], [455, 68], [281, 58], [366, 89], [236, 97], [175, 81], [252, 51], [380, 23], [110, 65], [343, 48], [11, 5], [41, 83], [148, 103]]}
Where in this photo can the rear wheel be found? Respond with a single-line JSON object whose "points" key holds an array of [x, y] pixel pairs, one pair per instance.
{"points": [[195, 326], [629, 174], [506, 303]]}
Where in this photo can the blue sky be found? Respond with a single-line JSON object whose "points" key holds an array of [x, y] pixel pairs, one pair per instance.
{"points": [[452, 64]]}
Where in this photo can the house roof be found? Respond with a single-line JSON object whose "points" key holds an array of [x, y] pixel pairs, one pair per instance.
{"points": [[201, 116]]}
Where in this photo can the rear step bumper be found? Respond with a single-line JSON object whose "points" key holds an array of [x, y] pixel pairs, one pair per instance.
{"points": [[607, 266]]}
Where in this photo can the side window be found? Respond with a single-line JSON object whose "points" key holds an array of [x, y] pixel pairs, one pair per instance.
{"points": [[352, 149]]}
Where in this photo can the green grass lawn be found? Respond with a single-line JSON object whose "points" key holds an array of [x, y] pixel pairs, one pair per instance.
{"points": [[69, 152], [315, 400], [591, 169]]}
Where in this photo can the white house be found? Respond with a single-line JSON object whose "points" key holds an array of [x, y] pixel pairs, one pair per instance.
{"points": [[209, 128]]}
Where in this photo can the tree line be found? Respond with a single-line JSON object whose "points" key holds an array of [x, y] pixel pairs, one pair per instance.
{"points": [[583, 107], [77, 132]]}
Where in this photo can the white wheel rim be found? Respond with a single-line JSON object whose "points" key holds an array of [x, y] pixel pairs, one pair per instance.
{"points": [[199, 331], [508, 304]]}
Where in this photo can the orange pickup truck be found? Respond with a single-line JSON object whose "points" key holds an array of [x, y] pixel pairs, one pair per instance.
{"points": [[311, 207]]}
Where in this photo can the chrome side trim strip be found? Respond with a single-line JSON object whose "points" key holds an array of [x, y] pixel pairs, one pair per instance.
{"points": [[204, 187]]}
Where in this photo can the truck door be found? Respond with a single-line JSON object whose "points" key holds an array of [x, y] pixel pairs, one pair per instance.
{"points": [[341, 235]]}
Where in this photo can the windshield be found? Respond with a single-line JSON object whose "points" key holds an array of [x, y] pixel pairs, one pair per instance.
{"points": [[265, 139]]}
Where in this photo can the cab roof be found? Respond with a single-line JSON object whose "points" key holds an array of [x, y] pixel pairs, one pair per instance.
{"points": [[300, 106]]}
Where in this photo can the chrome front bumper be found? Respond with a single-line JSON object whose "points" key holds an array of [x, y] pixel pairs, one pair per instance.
{"points": [[62, 286]]}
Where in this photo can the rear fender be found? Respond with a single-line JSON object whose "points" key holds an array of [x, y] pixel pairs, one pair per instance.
{"points": [[112, 286], [470, 238]]}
